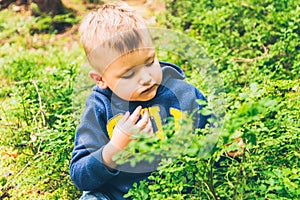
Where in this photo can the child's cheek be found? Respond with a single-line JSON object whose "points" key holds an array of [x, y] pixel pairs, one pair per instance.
{"points": [[125, 90]]}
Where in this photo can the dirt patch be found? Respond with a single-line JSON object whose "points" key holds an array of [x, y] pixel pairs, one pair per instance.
{"points": [[148, 9]]}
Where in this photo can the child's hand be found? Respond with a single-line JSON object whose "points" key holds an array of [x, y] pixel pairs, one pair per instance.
{"points": [[237, 152], [128, 125], [121, 137]]}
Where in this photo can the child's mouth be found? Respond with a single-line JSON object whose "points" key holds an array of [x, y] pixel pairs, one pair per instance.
{"points": [[149, 89]]}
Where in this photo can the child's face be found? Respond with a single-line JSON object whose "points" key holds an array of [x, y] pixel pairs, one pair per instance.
{"points": [[134, 76]]}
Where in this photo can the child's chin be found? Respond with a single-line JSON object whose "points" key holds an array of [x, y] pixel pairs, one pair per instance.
{"points": [[148, 96], [144, 97]]}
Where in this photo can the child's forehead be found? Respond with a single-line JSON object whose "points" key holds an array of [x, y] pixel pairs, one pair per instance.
{"points": [[130, 60], [102, 57], [119, 45], [140, 52]]}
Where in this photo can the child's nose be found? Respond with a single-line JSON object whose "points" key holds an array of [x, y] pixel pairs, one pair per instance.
{"points": [[145, 78]]}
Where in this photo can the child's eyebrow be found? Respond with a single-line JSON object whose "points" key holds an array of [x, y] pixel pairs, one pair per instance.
{"points": [[150, 58]]}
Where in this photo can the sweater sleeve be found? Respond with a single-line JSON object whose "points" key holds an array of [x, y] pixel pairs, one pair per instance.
{"points": [[87, 169]]}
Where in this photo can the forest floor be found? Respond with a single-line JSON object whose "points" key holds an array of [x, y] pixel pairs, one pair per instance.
{"points": [[148, 9]]}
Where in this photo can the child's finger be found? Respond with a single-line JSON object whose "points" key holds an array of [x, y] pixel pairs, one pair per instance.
{"points": [[144, 121], [124, 118], [135, 115], [148, 129]]}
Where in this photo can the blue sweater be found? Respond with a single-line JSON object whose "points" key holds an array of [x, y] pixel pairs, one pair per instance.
{"points": [[102, 109]]}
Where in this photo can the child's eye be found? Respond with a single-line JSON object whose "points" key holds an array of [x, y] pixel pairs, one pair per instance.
{"points": [[149, 64], [128, 75]]}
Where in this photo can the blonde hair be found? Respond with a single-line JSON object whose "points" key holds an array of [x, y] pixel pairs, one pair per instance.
{"points": [[114, 25]]}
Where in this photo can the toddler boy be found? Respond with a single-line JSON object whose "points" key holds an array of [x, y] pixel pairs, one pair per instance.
{"points": [[134, 92]]}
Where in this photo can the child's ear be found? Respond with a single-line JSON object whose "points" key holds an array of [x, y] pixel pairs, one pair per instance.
{"points": [[98, 79]]}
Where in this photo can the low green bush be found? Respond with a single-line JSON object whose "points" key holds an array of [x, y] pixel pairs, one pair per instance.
{"points": [[254, 79], [255, 48], [57, 24], [37, 112]]}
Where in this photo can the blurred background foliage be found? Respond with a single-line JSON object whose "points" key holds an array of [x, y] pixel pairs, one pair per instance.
{"points": [[251, 48]]}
